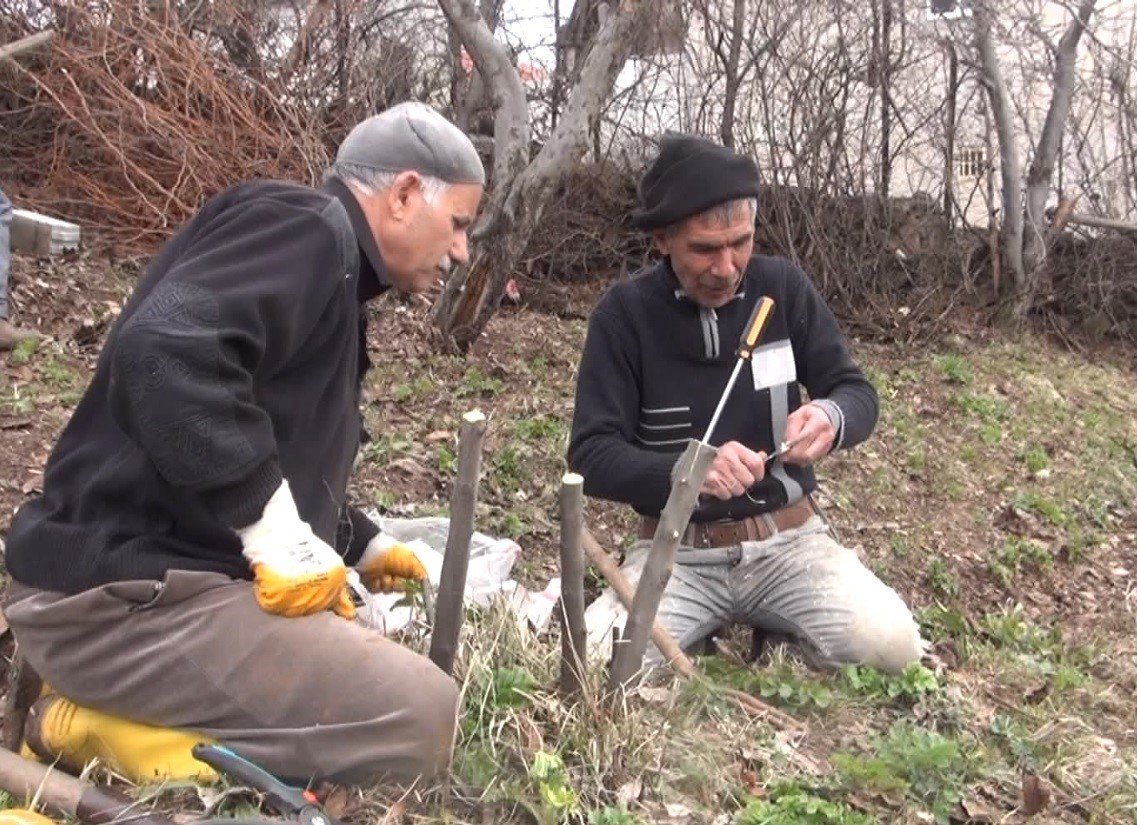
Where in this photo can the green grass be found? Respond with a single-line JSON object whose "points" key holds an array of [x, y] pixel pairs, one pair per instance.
{"points": [[412, 390], [1015, 554], [954, 369], [941, 580], [477, 383]]}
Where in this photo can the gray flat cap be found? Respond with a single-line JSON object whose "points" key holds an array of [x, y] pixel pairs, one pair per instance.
{"points": [[412, 136]]}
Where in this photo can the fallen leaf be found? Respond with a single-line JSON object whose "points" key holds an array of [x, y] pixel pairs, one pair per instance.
{"points": [[749, 780], [979, 811], [654, 695], [529, 734], [629, 792], [438, 435], [336, 801], [1035, 795]]}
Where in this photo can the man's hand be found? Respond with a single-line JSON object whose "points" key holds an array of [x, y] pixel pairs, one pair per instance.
{"points": [[386, 565], [295, 573], [815, 433], [734, 470]]}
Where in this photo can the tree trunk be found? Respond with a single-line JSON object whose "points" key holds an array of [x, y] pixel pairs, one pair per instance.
{"points": [[733, 78], [1009, 165], [472, 294], [1041, 170], [949, 134], [885, 58]]}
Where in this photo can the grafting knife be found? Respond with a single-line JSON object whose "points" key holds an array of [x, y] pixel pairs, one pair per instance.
{"points": [[751, 335]]}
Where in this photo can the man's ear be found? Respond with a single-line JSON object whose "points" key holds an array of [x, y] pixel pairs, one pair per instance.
{"points": [[404, 194], [662, 240]]}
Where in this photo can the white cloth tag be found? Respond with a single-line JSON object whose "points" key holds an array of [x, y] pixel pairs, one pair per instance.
{"points": [[773, 364]]}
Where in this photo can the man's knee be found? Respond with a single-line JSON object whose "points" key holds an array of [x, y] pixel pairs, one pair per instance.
{"points": [[886, 637], [435, 710], [409, 733]]}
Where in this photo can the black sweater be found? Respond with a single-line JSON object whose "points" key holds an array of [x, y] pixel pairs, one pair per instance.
{"points": [[655, 365], [235, 364]]}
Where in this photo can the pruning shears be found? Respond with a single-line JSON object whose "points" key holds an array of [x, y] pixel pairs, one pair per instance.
{"points": [[298, 805]]}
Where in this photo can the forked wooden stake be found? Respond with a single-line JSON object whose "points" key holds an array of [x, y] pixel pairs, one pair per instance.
{"points": [[452, 583], [670, 649], [692, 468]]}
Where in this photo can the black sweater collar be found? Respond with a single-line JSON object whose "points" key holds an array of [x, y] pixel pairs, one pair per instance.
{"points": [[373, 277]]}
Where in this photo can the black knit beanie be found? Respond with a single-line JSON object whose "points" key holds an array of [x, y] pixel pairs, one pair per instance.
{"points": [[691, 175]]}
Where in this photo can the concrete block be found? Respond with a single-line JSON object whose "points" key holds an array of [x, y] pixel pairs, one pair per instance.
{"points": [[36, 234]]}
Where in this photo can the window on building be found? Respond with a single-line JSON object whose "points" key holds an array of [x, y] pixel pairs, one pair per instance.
{"points": [[970, 162]]}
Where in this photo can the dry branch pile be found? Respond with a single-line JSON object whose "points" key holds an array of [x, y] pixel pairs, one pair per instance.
{"points": [[130, 122]]}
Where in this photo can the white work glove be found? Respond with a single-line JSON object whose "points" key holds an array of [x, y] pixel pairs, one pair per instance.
{"points": [[387, 565], [295, 573]]}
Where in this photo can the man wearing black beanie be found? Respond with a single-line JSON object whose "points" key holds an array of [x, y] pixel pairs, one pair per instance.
{"points": [[660, 349]]}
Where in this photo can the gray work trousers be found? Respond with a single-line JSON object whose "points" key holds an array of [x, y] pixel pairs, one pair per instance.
{"points": [[5, 251], [316, 697], [800, 583]]}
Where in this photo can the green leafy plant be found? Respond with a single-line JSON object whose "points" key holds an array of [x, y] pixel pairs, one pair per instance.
{"points": [[446, 459], [507, 467], [613, 816], [777, 683], [548, 771], [986, 408], [941, 580], [1016, 553], [912, 683], [1035, 459], [954, 369], [386, 448], [412, 389], [938, 622], [475, 382], [1043, 506], [541, 428], [928, 768], [23, 351], [510, 687], [793, 805]]}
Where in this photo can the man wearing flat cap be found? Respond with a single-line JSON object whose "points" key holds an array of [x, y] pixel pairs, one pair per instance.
{"points": [[183, 575], [659, 352]]}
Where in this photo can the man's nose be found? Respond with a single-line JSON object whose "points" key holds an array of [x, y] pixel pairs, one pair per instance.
{"points": [[460, 250], [724, 263]]}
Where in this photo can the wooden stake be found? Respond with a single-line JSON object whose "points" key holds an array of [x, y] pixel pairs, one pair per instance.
{"points": [[452, 583], [573, 654], [691, 470], [667, 645]]}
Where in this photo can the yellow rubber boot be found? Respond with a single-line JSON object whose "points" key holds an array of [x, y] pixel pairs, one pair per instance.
{"points": [[23, 816], [57, 728]]}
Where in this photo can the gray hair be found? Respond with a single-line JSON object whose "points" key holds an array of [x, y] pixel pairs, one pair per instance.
{"points": [[372, 181], [722, 213]]}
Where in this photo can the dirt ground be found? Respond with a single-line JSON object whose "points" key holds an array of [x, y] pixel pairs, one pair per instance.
{"points": [[997, 495]]}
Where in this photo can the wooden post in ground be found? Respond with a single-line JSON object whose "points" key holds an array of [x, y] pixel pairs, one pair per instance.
{"points": [[689, 473], [452, 584], [573, 653]]}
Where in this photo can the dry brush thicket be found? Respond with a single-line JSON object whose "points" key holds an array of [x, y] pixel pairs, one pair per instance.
{"points": [[858, 115]]}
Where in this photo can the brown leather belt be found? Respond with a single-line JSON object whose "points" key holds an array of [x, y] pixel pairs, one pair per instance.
{"points": [[727, 533]]}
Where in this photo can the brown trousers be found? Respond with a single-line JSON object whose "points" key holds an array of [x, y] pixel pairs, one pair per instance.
{"points": [[316, 697]]}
